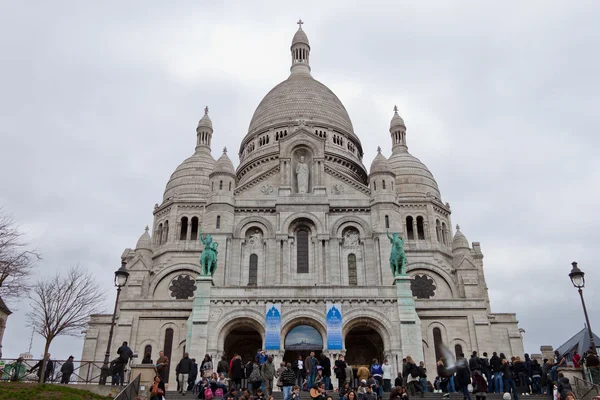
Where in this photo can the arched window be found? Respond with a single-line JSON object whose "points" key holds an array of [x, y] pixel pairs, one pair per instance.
{"points": [[168, 348], [220, 185], [383, 184], [437, 343], [194, 231], [230, 186], [159, 233], [374, 185], [410, 233], [302, 251], [212, 186], [148, 350], [253, 271], [458, 350], [166, 232], [420, 228], [218, 222], [438, 230], [352, 279], [444, 232], [387, 222], [184, 228]]}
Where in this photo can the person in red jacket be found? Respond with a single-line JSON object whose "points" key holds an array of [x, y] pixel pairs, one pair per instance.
{"points": [[576, 359]]}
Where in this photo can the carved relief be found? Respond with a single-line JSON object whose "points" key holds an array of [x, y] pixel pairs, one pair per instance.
{"points": [[255, 240], [267, 189], [337, 189], [183, 287], [351, 238]]}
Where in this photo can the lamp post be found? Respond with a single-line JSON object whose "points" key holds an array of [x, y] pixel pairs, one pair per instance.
{"points": [[578, 280], [121, 276]]}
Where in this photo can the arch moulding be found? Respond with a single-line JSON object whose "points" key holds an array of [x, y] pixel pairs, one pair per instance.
{"points": [[246, 223], [317, 223], [302, 317], [372, 319], [435, 270], [245, 317], [363, 228], [183, 267]]}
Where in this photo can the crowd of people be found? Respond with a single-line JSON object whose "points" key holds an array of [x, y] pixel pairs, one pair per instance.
{"points": [[232, 379]]}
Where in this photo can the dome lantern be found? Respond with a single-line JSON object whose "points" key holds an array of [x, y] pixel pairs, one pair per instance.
{"points": [[460, 242], [300, 52], [204, 131], [398, 131]]}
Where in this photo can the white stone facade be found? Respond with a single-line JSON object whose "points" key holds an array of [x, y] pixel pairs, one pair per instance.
{"points": [[278, 244]]}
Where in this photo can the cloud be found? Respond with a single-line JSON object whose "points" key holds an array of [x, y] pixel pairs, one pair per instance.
{"points": [[100, 103]]}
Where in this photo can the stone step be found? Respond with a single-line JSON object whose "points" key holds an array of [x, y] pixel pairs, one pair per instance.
{"points": [[277, 395]]}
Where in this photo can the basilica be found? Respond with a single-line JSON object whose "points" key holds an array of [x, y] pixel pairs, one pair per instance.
{"points": [[299, 225]]}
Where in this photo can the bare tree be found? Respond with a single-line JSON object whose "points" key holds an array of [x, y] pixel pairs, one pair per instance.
{"points": [[16, 261], [62, 305]]}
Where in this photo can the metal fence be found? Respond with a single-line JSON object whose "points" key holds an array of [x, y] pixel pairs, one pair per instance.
{"points": [[84, 372], [585, 390], [131, 390]]}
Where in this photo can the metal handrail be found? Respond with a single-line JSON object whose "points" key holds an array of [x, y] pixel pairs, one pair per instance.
{"points": [[84, 371], [585, 390], [131, 390]]}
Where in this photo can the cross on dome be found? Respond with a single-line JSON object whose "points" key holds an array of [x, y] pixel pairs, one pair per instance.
{"points": [[147, 229], [224, 150], [300, 23], [396, 109], [206, 110], [379, 149], [457, 227]]}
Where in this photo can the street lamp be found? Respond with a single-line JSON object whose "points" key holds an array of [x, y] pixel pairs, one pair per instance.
{"points": [[121, 276], [578, 279]]}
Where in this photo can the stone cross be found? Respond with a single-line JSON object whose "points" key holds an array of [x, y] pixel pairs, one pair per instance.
{"points": [[206, 110], [300, 24], [395, 109]]}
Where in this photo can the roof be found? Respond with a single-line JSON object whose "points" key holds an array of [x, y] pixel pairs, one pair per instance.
{"points": [[4, 308], [580, 342]]}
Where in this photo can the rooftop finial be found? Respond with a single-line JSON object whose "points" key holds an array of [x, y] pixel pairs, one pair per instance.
{"points": [[457, 227], [379, 149], [300, 24], [396, 109], [224, 150], [147, 229], [206, 110]]}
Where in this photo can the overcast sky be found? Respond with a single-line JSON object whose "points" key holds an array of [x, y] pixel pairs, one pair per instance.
{"points": [[99, 103]]}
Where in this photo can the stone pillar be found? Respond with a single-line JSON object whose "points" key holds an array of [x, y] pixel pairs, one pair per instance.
{"points": [[426, 230], [197, 335], [188, 234], [410, 323], [415, 231]]}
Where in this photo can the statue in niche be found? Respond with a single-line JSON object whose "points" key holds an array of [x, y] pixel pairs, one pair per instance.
{"points": [[351, 239], [255, 240], [302, 175]]}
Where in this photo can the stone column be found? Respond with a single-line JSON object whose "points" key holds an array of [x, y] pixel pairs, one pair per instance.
{"points": [[197, 329], [415, 230], [178, 231], [410, 323], [426, 229], [188, 234]]}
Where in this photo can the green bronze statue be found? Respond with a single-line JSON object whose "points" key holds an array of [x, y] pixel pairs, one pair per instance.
{"points": [[397, 256], [208, 258]]}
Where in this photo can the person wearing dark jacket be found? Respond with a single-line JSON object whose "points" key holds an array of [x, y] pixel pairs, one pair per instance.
{"points": [[184, 368], [193, 375], [288, 378], [564, 386], [49, 368], [536, 377], [398, 381], [125, 354], [223, 366], [520, 369], [67, 370], [496, 368], [474, 362], [340, 370], [326, 368], [510, 385], [463, 376], [480, 386], [486, 371], [237, 372]]}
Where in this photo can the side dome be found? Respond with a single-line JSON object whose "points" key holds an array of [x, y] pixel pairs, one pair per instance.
{"points": [[380, 164], [191, 178], [300, 97], [460, 241], [412, 176], [145, 241], [224, 165]]}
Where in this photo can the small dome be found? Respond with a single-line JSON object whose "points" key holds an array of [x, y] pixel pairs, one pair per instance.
{"points": [[300, 37], [412, 176], [380, 164], [459, 241], [145, 241], [224, 165], [190, 179], [396, 120], [205, 120]]}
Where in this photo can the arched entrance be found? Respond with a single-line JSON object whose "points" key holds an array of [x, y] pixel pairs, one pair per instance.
{"points": [[300, 341], [243, 339], [363, 344]]}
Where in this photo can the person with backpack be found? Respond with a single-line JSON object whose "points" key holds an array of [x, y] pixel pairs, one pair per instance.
{"points": [[411, 372], [423, 376], [486, 371], [267, 374], [377, 372], [254, 378]]}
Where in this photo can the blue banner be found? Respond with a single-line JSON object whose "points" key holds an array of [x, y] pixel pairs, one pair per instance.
{"points": [[334, 326], [273, 327]]}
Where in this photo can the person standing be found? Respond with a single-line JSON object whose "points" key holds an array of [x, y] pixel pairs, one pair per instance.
{"points": [[310, 364], [298, 367], [125, 354], [387, 376], [510, 385], [485, 369], [463, 376], [496, 367], [237, 372], [193, 375], [206, 368], [326, 370], [377, 373], [480, 386], [162, 366], [340, 371], [183, 371], [288, 378], [593, 364], [67, 370], [267, 375], [223, 366], [423, 376]]}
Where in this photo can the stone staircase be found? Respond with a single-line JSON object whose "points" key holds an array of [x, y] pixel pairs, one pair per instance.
{"points": [[277, 395]]}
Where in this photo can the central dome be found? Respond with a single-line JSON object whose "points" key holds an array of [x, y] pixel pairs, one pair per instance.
{"points": [[300, 97]]}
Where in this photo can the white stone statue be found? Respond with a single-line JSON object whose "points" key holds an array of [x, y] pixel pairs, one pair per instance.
{"points": [[302, 176]]}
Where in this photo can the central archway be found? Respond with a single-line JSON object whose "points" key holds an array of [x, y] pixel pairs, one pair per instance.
{"points": [[243, 340], [363, 344], [301, 341]]}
